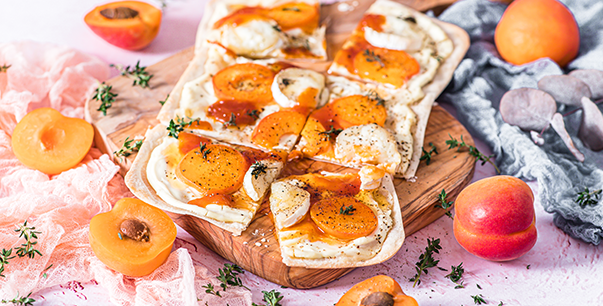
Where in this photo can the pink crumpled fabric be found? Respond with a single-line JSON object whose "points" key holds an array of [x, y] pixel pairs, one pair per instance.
{"points": [[61, 206]]}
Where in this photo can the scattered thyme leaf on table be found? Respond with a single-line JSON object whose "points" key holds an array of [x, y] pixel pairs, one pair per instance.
{"points": [[138, 73], [229, 276], [5, 256], [473, 151], [445, 204], [164, 100], [4, 68], [25, 300], [479, 299], [272, 298], [103, 94], [30, 235], [587, 197], [456, 275], [127, 148], [209, 288], [427, 155], [426, 260]]}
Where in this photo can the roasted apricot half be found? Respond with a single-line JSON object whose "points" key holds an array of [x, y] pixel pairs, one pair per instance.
{"points": [[316, 137], [134, 238], [380, 290], [358, 110], [343, 217], [386, 66], [244, 82], [213, 169], [46, 140], [272, 128], [131, 25]]}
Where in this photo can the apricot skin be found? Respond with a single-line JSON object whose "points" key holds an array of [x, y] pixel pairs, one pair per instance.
{"points": [[47, 141], [495, 218]]}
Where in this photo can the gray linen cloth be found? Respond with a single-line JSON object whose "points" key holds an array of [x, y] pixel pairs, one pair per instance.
{"points": [[477, 87]]}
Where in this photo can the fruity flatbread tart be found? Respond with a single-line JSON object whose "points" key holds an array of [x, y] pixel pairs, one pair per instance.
{"points": [[337, 220], [188, 174]]}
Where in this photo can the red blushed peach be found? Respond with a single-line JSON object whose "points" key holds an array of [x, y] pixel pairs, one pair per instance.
{"points": [[495, 218]]}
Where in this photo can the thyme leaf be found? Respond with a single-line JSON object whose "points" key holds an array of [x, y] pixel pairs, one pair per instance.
{"points": [[4, 68], [272, 298], [209, 288], [427, 155], [175, 127], [20, 300], [232, 121], [479, 299], [445, 204], [27, 248], [372, 57], [456, 275], [473, 151], [127, 148], [229, 276], [138, 73], [164, 100], [5, 256], [587, 197], [203, 150], [373, 95], [426, 260], [258, 168], [331, 133], [253, 114], [347, 210], [105, 96]]}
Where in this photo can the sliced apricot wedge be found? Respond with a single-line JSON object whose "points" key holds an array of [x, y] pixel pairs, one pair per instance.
{"points": [[269, 131], [357, 110], [343, 217], [134, 238], [234, 112], [213, 168], [377, 290], [190, 141], [386, 66], [316, 137], [244, 82], [46, 140], [131, 25], [293, 15]]}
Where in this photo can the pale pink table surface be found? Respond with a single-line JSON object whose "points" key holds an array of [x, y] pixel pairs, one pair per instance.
{"points": [[562, 270]]}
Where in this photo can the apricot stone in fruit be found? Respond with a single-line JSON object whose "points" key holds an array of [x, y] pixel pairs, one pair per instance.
{"points": [[50, 142], [495, 218]]}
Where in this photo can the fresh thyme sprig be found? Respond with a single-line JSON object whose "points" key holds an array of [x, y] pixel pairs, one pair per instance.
{"points": [[209, 288], [105, 96], [479, 299], [25, 300], [232, 121], [27, 248], [203, 150], [127, 148], [426, 260], [5, 256], [253, 114], [229, 276], [427, 155], [258, 168], [4, 67], [445, 204], [138, 73], [473, 151], [372, 57], [175, 127], [456, 275], [272, 298], [587, 197], [331, 133], [373, 95], [164, 100], [347, 210]]}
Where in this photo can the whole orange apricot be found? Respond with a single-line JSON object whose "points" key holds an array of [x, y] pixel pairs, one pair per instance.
{"points": [[131, 25], [50, 142], [495, 218], [534, 29], [134, 238]]}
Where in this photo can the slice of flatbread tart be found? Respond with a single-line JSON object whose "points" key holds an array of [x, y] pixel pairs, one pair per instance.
{"points": [[184, 173], [333, 220], [287, 29]]}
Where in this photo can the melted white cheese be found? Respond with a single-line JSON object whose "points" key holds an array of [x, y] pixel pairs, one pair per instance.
{"points": [[256, 185], [255, 38], [288, 203], [368, 144], [290, 83]]}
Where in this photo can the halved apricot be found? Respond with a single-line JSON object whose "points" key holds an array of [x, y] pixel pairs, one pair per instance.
{"points": [[213, 168], [343, 217], [130, 25], [46, 140], [293, 15], [190, 141], [380, 288], [244, 82], [243, 113], [134, 238], [357, 110], [317, 140], [270, 129], [385, 66]]}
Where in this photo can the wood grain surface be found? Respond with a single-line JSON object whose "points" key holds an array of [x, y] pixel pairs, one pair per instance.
{"points": [[257, 250]]}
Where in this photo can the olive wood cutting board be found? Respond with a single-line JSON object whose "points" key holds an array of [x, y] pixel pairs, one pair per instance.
{"points": [[257, 249]]}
